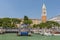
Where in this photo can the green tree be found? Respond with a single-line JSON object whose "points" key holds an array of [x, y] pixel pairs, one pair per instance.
{"points": [[25, 18], [6, 22], [35, 26], [49, 24], [15, 21], [53, 23], [1, 22], [43, 25], [27, 21], [9, 22]]}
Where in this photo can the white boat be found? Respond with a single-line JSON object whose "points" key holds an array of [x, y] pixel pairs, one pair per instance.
{"points": [[35, 31], [48, 34], [56, 34]]}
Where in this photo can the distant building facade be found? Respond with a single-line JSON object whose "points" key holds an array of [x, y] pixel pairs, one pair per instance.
{"points": [[34, 21], [56, 18]]}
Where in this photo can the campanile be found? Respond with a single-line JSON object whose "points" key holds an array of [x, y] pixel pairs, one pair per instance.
{"points": [[44, 14]]}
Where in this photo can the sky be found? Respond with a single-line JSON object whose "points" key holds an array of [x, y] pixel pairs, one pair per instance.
{"points": [[30, 8]]}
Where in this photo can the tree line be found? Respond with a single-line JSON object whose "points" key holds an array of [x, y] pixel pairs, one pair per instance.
{"points": [[47, 24], [11, 23]]}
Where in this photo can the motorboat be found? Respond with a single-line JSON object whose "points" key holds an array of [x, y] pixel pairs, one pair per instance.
{"points": [[24, 32]]}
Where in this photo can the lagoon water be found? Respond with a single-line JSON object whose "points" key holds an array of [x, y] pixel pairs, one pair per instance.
{"points": [[13, 36]]}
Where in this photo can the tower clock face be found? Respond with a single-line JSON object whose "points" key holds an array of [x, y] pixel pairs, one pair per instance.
{"points": [[44, 12]]}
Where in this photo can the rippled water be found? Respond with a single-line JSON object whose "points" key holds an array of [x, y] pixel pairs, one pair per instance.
{"points": [[13, 36]]}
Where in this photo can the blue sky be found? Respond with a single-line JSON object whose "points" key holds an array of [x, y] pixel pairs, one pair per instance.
{"points": [[30, 8]]}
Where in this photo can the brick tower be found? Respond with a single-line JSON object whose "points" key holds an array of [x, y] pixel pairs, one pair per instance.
{"points": [[44, 13]]}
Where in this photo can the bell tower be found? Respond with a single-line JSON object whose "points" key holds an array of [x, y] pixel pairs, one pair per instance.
{"points": [[44, 13]]}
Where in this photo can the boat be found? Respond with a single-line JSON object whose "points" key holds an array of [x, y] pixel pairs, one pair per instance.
{"points": [[56, 33], [24, 32]]}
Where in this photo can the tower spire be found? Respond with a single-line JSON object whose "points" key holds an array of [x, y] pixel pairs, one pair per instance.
{"points": [[43, 6]]}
